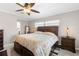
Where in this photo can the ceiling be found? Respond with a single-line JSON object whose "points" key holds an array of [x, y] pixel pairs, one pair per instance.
{"points": [[46, 9]]}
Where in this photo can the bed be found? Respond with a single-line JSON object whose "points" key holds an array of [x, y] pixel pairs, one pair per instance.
{"points": [[38, 43]]}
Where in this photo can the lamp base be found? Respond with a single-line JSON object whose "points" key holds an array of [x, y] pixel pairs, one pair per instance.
{"points": [[68, 36]]}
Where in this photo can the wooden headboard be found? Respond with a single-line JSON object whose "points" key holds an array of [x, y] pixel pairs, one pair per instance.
{"points": [[53, 29]]}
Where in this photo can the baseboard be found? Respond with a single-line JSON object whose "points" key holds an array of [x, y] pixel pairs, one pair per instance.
{"points": [[10, 45], [77, 48]]}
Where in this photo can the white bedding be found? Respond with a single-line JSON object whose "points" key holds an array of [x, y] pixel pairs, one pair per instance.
{"points": [[39, 43]]}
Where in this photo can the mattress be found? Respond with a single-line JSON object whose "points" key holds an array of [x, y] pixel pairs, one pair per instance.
{"points": [[39, 43]]}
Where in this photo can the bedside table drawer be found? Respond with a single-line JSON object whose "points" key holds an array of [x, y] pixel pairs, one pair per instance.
{"points": [[67, 41], [69, 45]]}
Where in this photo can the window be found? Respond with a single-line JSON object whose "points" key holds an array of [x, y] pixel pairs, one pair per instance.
{"points": [[18, 27], [52, 23], [38, 24], [47, 23]]}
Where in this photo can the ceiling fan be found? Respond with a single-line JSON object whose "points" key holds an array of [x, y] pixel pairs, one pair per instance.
{"points": [[27, 8]]}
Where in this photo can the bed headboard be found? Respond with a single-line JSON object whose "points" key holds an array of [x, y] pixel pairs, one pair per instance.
{"points": [[53, 29]]}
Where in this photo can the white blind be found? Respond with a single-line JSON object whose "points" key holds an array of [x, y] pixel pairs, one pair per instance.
{"points": [[52, 23], [38, 24], [47, 23]]}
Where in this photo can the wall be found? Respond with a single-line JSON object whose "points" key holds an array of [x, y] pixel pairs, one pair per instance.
{"points": [[8, 24], [70, 19]]}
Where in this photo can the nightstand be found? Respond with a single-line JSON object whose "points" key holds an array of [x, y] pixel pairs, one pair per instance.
{"points": [[68, 43]]}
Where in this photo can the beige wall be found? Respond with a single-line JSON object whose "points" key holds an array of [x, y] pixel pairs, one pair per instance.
{"points": [[8, 24]]}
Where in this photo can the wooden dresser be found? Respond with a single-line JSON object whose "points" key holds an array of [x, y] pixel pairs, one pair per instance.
{"points": [[68, 43], [1, 39], [2, 51]]}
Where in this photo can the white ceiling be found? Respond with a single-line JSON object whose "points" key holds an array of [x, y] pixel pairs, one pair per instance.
{"points": [[46, 9]]}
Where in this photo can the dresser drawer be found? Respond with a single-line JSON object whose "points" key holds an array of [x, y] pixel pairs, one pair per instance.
{"points": [[1, 41], [3, 53], [67, 41], [1, 33], [1, 36], [68, 45], [1, 46]]}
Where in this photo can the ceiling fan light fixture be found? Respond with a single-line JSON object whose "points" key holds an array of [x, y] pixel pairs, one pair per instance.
{"points": [[27, 10]]}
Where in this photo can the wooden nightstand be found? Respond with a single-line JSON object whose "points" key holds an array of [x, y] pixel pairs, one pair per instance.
{"points": [[68, 43]]}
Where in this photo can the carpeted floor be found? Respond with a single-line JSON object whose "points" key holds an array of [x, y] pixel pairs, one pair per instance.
{"points": [[63, 52], [60, 52]]}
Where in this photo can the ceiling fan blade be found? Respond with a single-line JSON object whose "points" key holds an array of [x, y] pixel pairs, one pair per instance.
{"points": [[32, 4], [35, 11], [20, 10], [26, 4], [28, 14], [19, 4]]}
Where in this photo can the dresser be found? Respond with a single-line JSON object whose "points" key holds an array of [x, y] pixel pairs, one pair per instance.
{"points": [[68, 43], [1, 39], [2, 51]]}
